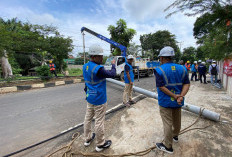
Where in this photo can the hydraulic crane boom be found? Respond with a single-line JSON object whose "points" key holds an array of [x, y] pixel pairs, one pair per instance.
{"points": [[121, 47]]}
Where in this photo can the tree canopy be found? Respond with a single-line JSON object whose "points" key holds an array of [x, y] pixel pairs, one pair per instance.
{"points": [[152, 43], [31, 45], [120, 34], [213, 28]]}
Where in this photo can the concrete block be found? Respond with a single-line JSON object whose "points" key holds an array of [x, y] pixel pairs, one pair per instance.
{"points": [[24, 87], [69, 82], [49, 84], [8, 89], [57, 83], [77, 80], [39, 85]]}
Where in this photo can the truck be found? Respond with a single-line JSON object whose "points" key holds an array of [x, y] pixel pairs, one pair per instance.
{"points": [[141, 66]]}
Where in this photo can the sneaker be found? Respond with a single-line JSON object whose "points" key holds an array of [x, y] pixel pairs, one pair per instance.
{"points": [[175, 138], [162, 147], [132, 102], [205, 83], [104, 146], [87, 143], [126, 104]]}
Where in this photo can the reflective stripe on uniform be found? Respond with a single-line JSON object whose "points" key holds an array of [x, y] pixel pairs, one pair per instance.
{"points": [[166, 79], [183, 74], [93, 82]]}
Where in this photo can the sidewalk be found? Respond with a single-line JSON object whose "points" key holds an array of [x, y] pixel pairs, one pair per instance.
{"points": [[140, 127]]}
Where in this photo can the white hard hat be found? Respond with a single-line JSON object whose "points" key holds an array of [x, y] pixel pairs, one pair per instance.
{"points": [[203, 63], [195, 62], [167, 51], [95, 50], [130, 57], [199, 61], [214, 61]]}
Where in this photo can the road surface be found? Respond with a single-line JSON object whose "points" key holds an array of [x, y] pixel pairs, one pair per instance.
{"points": [[31, 116]]}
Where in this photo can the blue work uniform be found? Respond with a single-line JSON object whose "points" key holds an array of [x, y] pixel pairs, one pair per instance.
{"points": [[130, 69], [96, 86], [172, 76]]}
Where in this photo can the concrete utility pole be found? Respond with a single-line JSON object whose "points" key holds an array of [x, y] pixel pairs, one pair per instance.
{"points": [[84, 45]]}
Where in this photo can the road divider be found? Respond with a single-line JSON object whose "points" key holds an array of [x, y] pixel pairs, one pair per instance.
{"points": [[38, 85]]}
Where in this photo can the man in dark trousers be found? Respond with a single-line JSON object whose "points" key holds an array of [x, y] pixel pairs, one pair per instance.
{"points": [[172, 84], [95, 82], [202, 71]]}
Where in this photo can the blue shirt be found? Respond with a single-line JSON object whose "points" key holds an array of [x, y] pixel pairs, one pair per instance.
{"points": [[171, 76], [95, 86], [160, 80]]}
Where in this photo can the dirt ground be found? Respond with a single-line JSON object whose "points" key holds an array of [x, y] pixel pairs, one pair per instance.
{"points": [[139, 127], [35, 81]]}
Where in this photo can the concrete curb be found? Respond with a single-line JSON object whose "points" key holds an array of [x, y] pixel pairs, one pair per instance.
{"points": [[38, 85]]}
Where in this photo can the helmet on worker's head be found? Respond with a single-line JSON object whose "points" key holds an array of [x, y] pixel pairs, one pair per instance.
{"points": [[130, 57], [181, 62], [188, 61], [167, 51], [203, 63], [214, 61], [95, 50], [195, 62], [199, 61], [50, 61]]}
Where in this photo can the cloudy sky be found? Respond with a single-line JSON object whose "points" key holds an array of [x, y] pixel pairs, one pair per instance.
{"points": [[145, 16]]}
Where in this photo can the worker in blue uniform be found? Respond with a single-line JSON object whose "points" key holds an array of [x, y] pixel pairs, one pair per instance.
{"points": [[172, 84], [95, 86], [129, 81]]}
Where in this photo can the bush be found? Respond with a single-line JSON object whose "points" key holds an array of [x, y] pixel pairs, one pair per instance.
{"points": [[75, 72], [43, 72]]}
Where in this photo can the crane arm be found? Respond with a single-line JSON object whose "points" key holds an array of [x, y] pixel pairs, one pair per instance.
{"points": [[121, 47]]}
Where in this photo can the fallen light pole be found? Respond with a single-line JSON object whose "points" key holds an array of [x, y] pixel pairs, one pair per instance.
{"points": [[192, 108]]}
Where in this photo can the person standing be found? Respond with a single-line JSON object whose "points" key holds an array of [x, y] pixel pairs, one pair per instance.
{"points": [[213, 71], [172, 84], [129, 80], [202, 71], [52, 67], [95, 87], [187, 65], [198, 63], [194, 70]]}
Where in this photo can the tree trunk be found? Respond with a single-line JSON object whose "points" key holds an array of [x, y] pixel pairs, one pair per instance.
{"points": [[6, 67]]}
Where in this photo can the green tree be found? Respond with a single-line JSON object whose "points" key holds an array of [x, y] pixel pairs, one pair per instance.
{"points": [[212, 29], [153, 43], [32, 45], [120, 34], [134, 49], [59, 49], [189, 54]]}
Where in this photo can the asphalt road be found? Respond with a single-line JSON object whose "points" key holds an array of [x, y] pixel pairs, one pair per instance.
{"points": [[32, 116]]}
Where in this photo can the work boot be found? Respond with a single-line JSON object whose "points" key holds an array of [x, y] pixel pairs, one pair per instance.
{"points": [[87, 143], [162, 147], [132, 102], [104, 146]]}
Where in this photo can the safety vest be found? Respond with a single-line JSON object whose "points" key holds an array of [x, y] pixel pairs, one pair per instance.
{"points": [[96, 87], [52, 67], [130, 72], [173, 76], [187, 66]]}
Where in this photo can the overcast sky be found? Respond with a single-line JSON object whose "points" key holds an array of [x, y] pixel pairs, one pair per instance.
{"points": [[145, 16]]}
